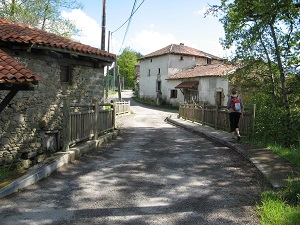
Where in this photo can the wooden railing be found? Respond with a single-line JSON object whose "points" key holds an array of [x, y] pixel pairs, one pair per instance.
{"points": [[217, 117], [122, 107], [84, 122]]}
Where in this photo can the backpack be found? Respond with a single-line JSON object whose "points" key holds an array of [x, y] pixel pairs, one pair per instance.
{"points": [[235, 103]]}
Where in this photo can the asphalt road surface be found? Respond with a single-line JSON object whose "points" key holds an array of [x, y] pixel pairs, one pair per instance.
{"points": [[153, 173]]}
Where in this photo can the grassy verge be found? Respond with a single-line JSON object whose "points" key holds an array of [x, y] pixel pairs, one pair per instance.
{"points": [[152, 103], [282, 207]]}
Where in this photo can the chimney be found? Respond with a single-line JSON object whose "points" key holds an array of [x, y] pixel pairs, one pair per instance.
{"points": [[182, 44]]}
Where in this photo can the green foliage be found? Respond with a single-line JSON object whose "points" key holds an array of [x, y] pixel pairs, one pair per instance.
{"points": [[281, 207], [126, 62], [43, 14], [290, 154], [271, 120], [267, 31]]}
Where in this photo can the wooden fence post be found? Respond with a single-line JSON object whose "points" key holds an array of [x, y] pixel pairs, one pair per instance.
{"points": [[113, 103], [253, 111], [193, 114], [203, 113], [216, 117], [66, 125], [96, 123]]}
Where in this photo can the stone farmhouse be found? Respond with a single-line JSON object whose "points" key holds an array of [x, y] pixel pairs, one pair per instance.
{"points": [[181, 74], [38, 70]]}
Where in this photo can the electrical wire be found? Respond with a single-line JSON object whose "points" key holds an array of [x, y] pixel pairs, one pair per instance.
{"points": [[128, 25], [133, 11]]}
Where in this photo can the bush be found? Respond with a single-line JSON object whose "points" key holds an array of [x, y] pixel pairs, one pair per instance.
{"points": [[273, 125]]}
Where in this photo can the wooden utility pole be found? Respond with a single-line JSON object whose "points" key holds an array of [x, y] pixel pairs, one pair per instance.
{"points": [[103, 46], [103, 25]]}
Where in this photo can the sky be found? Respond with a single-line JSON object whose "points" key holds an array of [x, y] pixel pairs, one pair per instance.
{"points": [[155, 25]]}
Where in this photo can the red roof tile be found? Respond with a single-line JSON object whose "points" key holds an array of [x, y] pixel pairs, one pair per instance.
{"points": [[180, 49], [16, 32], [211, 70], [11, 71]]}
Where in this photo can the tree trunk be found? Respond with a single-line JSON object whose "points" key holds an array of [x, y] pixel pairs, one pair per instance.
{"points": [[271, 74], [280, 68]]}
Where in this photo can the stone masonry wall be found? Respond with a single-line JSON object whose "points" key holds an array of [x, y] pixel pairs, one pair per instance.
{"points": [[31, 113]]}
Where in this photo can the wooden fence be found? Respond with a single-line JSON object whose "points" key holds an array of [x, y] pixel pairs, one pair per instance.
{"points": [[217, 117], [84, 122]]}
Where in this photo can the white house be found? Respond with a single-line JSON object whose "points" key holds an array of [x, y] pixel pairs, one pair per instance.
{"points": [[177, 74]]}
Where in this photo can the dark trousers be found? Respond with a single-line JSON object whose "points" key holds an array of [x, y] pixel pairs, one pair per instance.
{"points": [[234, 118]]}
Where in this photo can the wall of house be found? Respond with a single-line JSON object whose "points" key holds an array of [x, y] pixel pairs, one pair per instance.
{"points": [[208, 86], [168, 64], [148, 80], [32, 113]]}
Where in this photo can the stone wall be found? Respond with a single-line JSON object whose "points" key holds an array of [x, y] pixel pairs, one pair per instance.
{"points": [[31, 114]]}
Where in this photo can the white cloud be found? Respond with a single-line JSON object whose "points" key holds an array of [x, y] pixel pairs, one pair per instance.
{"points": [[90, 30], [144, 41], [147, 41]]}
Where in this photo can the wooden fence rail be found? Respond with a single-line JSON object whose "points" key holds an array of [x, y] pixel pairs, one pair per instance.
{"points": [[83, 122], [217, 117]]}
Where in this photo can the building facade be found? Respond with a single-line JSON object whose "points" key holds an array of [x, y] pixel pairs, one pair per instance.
{"points": [[31, 123], [178, 73]]}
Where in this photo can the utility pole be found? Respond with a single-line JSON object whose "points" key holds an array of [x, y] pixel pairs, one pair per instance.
{"points": [[103, 25], [103, 45]]}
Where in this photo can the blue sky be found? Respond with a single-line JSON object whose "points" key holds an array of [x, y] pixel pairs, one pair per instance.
{"points": [[156, 24]]}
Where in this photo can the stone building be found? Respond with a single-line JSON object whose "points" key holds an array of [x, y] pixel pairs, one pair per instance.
{"points": [[43, 70]]}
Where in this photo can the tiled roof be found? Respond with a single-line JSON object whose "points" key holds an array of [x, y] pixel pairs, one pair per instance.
{"points": [[187, 84], [180, 49], [211, 70], [11, 71], [21, 33]]}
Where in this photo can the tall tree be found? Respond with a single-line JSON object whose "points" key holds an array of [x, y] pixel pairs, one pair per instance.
{"points": [[267, 30], [266, 36], [126, 62], [44, 14]]}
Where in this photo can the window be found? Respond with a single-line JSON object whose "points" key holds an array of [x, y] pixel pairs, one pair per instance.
{"points": [[158, 86], [173, 93], [149, 72], [158, 70], [208, 61], [65, 74], [150, 60], [181, 58]]}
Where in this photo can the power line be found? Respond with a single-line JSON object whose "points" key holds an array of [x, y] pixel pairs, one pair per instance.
{"points": [[133, 11]]}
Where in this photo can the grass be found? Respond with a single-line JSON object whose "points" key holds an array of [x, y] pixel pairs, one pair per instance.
{"points": [[291, 155], [152, 103], [282, 207], [8, 175]]}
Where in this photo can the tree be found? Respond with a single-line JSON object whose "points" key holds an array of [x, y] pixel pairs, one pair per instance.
{"points": [[266, 36], [43, 14], [126, 62], [266, 30]]}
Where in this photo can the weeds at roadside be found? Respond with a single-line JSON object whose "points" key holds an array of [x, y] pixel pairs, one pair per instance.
{"points": [[281, 207]]}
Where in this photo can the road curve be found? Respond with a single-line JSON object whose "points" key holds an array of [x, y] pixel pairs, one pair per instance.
{"points": [[153, 173]]}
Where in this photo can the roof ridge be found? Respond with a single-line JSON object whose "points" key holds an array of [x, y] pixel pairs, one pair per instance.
{"points": [[15, 32]]}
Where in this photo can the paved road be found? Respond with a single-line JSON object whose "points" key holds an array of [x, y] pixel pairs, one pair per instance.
{"points": [[153, 173]]}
